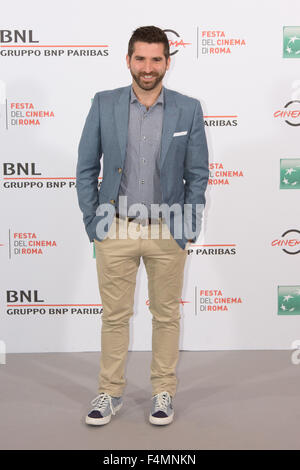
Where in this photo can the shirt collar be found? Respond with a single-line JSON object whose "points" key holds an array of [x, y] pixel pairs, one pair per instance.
{"points": [[160, 98]]}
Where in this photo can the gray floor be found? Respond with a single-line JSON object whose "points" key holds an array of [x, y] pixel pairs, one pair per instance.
{"points": [[224, 400]]}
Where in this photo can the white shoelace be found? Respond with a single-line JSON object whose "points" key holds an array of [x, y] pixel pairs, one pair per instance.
{"points": [[101, 401], [163, 400]]}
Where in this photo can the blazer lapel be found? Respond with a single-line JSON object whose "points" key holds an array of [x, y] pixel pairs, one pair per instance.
{"points": [[170, 118], [121, 111]]}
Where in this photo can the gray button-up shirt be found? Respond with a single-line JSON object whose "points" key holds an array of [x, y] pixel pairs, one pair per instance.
{"points": [[140, 180]]}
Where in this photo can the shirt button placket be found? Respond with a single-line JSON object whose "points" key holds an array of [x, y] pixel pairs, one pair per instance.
{"points": [[142, 176]]}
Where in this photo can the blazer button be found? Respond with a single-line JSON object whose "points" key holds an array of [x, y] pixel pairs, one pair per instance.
{"points": [[112, 201], [120, 170]]}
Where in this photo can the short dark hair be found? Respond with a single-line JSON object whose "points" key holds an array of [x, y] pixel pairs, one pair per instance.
{"points": [[149, 34]]}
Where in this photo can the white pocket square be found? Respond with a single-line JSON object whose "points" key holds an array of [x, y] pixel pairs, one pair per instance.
{"points": [[176, 134]]}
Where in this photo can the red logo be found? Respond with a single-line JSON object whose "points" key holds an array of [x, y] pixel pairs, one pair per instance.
{"points": [[175, 43]]}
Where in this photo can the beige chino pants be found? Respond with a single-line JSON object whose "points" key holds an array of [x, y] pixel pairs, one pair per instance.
{"points": [[118, 259]]}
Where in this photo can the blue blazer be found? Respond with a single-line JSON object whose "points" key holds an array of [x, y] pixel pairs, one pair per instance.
{"points": [[183, 158]]}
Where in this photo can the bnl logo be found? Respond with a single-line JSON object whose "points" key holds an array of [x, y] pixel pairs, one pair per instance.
{"points": [[2, 352]]}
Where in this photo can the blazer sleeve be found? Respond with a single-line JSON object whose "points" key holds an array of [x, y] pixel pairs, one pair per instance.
{"points": [[88, 164], [196, 172]]}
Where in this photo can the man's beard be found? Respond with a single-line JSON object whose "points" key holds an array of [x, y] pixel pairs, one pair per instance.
{"points": [[147, 85]]}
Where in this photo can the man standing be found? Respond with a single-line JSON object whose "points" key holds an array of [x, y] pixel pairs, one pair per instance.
{"points": [[151, 140]]}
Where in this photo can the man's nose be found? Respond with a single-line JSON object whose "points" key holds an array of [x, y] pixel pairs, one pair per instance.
{"points": [[148, 67]]}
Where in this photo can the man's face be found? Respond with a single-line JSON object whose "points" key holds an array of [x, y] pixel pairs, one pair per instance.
{"points": [[148, 64]]}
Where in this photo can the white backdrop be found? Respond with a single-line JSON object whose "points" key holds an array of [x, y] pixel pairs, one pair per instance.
{"points": [[232, 296]]}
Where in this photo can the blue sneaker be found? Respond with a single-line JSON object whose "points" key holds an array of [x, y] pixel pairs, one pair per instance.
{"points": [[162, 411], [104, 406]]}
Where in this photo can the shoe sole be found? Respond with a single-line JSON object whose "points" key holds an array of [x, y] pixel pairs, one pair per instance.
{"points": [[101, 421], [161, 421]]}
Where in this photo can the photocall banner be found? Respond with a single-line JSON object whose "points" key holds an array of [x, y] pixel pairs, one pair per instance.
{"points": [[242, 61]]}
